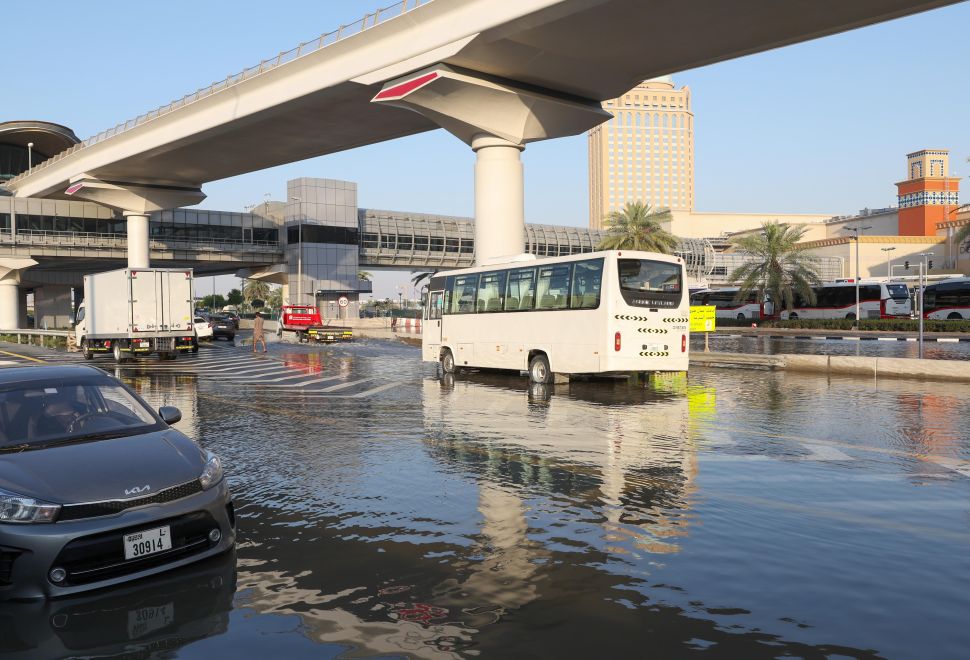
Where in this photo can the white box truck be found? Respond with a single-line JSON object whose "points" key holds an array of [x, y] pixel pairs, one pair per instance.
{"points": [[136, 311]]}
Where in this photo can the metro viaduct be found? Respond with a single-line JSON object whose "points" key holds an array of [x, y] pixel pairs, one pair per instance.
{"points": [[496, 75]]}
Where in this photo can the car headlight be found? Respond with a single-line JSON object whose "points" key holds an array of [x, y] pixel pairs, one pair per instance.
{"points": [[16, 508], [212, 472]]}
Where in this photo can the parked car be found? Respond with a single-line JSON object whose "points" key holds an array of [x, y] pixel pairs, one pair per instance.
{"points": [[222, 327], [147, 500]]}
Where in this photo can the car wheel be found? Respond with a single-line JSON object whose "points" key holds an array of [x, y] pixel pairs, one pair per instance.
{"points": [[539, 371], [116, 352], [448, 362], [231, 337]]}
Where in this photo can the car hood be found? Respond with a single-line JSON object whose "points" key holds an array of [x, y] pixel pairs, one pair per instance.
{"points": [[103, 469]]}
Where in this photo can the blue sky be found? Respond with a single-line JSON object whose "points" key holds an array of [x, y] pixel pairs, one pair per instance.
{"points": [[818, 127]]}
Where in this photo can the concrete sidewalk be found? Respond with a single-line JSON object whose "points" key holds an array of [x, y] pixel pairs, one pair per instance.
{"points": [[851, 365]]}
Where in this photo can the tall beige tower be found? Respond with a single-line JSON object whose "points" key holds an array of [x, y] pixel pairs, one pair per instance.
{"points": [[645, 153]]}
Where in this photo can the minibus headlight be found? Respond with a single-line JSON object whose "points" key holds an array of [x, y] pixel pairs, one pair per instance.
{"points": [[212, 472], [20, 509]]}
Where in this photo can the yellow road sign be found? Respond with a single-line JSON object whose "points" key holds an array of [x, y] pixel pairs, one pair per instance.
{"points": [[702, 318]]}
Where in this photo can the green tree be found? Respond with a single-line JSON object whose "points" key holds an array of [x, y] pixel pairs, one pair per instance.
{"points": [[637, 227], [364, 275], [255, 290], [275, 298], [214, 303], [779, 266], [234, 297], [418, 277]]}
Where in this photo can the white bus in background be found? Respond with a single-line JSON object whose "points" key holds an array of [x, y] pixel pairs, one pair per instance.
{"points": [[728, 307], [610, 312], [836, 300], [947, 299]]}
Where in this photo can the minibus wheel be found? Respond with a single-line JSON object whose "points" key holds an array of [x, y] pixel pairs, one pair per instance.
{"points": [[539, 371], [448, 362]]}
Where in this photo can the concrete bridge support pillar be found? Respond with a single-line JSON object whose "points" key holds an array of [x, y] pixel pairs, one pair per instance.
{"points": [[138, 252], [10, 291], [53, 306], [496, 119], [9, 305], [499, 218]]}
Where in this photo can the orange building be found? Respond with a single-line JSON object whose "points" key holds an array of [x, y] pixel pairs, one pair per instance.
{"points": [[928, 196]]}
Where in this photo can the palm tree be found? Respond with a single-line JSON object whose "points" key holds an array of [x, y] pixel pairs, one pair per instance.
{"points": [[779, 268], [637, 227], [255, 290], [421, 276], [364, 275]]}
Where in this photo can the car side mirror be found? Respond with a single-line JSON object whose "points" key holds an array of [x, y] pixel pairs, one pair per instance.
{"points": [[170, 414]]}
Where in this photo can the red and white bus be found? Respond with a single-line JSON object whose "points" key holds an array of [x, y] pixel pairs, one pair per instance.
{"points": [[729, 307], [947, 299], [836, 300]]}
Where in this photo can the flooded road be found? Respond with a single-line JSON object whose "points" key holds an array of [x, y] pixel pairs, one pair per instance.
{"points": [[383, 511]]}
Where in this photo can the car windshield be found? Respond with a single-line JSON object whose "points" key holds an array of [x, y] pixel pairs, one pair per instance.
{"points": [[39, 413]]}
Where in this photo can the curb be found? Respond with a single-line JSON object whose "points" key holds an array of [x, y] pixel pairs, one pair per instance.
{"points": [[942, 340]]}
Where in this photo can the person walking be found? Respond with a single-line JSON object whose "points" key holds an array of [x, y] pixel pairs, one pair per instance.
{"points": [[258, 331]]}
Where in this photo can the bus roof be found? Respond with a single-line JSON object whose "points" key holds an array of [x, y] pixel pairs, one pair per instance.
{"points": [[541, 261]]}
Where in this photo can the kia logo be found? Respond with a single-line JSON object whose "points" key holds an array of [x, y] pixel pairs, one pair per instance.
{"points": [[137, 489]]}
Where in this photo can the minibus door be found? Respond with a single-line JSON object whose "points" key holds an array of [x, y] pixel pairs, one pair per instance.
{"points": [[432, 325]]}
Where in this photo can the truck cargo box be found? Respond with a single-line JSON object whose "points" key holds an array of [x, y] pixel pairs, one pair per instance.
{"points": [[139, 301]]}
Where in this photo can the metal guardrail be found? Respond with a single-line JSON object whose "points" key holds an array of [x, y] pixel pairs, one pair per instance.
{"points": [[28, 334], [305, 48], [120, 241]]}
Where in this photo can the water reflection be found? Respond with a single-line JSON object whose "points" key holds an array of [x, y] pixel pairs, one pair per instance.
{"points": [[150, 618]]}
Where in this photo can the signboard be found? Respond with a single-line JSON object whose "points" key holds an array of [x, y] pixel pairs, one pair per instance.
{"points": [[702, 318], [343, 301]]}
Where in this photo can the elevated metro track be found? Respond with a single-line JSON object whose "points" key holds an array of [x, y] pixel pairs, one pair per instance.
{"points": [[316, 99]]}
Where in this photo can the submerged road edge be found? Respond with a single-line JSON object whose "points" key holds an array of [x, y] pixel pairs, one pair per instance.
{"points": [[852, 365]]}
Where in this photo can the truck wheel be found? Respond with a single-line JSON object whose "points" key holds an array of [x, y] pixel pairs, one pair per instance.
{"points": [[116, 352], [539, 371], [173, 355], [88, 355], [448, 362], [279, 332], [195, 346]]}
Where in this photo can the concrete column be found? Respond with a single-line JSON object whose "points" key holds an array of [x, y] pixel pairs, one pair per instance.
{"points": [[499, 198], [9, 305], [138, 248]]}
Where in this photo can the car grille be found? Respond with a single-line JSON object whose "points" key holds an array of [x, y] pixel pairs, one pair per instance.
{"points": [[102, 556], [111, 507], [7, 558]]}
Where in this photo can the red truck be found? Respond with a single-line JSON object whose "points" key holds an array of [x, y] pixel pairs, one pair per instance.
{"points": [[305, 321]]}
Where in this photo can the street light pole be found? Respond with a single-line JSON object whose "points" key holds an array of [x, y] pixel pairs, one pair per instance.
{"points": [[889, 263], [922, 270], [299, 259], [858, 231]]}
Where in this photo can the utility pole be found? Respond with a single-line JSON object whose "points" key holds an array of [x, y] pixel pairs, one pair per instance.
{"points": [[922, 275], [858, 231]]}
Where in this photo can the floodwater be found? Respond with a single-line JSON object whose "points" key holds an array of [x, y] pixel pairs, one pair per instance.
{"points": [[932, 350], [732, 514]]}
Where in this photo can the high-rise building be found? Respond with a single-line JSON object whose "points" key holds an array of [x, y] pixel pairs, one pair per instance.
{"points": [[928, 195], [645, 153]]}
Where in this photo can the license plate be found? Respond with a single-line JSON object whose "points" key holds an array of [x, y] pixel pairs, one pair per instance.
{"points": [[147, 542], [149, 619]]}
